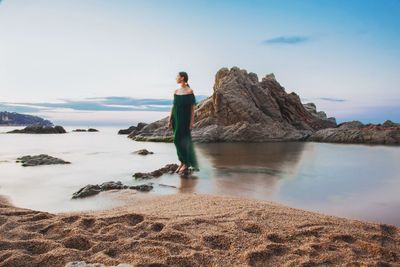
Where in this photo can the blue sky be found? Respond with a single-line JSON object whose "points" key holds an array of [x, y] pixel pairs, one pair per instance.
{"points": [[342, 55]]}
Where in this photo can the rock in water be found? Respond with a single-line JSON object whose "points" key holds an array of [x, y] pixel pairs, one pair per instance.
{"points": [[132, 129], [41, 159], [242, 108], [84, 130], [357, 132], [143, 152], [91, 190], [171, 168], [40, 129], [87, 191]]}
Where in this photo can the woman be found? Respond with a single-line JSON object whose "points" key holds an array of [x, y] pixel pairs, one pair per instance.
{"points": [[181, 121]]}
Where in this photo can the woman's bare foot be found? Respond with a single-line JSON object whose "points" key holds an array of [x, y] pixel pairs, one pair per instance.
{"points": [[179, 168], [184, 168]]}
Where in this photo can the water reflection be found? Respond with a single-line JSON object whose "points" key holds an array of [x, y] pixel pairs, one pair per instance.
{"points": [[251, 169], [356, 181]]}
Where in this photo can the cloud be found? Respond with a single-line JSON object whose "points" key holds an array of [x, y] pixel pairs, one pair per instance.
{"points": [[286, 40], [332, 99], [108, 103]]}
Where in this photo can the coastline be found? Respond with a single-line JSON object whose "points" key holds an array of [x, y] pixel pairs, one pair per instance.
{"points": [[192, 229]]}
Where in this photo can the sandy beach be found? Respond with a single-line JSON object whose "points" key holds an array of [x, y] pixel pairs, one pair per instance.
{"points": [[193, 230]]}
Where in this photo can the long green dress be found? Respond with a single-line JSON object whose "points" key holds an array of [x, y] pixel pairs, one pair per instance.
{"points": [[181, 114]]}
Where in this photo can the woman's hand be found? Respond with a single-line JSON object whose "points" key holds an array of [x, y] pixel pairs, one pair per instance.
{"points": [[191, 125], [169, 125]]}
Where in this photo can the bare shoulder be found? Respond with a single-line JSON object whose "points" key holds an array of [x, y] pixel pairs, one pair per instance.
{"points": [[191, 91]]}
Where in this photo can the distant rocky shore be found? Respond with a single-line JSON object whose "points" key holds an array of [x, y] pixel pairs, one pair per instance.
{"points": [[17, 119], [244, 109]]}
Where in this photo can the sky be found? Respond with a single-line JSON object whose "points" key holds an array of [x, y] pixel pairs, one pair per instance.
{"points": [[101, 61]]}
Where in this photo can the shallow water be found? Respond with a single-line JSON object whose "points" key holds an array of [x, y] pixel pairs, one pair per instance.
{"points": [[354, 181]]}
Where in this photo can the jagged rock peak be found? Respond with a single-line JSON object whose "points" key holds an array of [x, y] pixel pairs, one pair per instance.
{"points": [[270, 76]]}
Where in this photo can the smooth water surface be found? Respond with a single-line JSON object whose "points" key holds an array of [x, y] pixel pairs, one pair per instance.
{"points": [[354, 181]]}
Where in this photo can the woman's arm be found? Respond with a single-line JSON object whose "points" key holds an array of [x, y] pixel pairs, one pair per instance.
{"points": [[170, 116]]}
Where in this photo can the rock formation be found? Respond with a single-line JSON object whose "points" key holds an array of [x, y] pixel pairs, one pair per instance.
{"points": [[357, 132], [170, 168], [132, 129], [40, 129], [91, 190], [17, 119], [310, 107], [242, 108], [41, 159]]}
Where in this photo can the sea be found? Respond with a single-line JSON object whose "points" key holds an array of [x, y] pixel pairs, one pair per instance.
{"points": [[354, 181]]}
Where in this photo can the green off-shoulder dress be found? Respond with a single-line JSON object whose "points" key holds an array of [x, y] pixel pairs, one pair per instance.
{"points": [[181, 114]]}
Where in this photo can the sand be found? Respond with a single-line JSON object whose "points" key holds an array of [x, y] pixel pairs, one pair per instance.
{"points": [[193, 230]]}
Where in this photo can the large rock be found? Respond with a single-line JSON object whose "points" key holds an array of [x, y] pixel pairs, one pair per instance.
{"points": [[357, 132], [242, 108], [40, 129], [132, 129]]}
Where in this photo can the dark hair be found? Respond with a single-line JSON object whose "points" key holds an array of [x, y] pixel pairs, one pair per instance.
{"points": [[185, 77]]}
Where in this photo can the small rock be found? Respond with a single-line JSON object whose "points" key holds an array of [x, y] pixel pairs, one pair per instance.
{"points": [[156, 173], [90, 189], [41, 159], [143, 152], [142, 187], [92, 130]]}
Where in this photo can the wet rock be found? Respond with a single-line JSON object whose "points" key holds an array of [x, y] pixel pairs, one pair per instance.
{"points": [[41, 159], [143, 152], [169, 168], [112, 185], [40, 129], [84, 130], [142, 187], [90, 189], [132, 129], [357, 132]]}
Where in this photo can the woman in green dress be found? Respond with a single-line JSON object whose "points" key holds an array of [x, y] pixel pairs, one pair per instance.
{"points": [[181, 121]]}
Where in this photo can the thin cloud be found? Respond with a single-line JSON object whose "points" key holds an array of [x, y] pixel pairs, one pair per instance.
{"points": [[286, 40], [332, 99], [108, 103]]}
